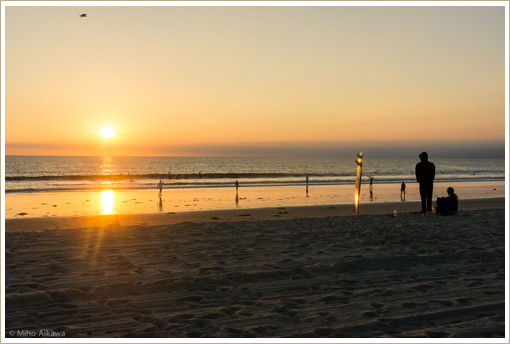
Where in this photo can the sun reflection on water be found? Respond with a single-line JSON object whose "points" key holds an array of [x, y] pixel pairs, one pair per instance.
{"points": [[108, 165], [107, 201]]}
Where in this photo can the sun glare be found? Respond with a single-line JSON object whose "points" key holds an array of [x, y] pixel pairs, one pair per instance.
{"points": [[107, 132], [107, 201]]}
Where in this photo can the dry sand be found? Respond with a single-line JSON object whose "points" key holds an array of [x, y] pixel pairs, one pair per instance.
{"points": [[293, 272]]}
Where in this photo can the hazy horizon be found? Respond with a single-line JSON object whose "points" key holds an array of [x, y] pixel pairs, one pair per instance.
{"points": [[411, 149]]}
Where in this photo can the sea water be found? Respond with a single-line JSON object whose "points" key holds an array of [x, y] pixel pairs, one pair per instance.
{"points": [[32, 174]]}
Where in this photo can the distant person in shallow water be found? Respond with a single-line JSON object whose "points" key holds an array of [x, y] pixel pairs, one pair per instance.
{"points": [[403, 191], [160, 187], [425, 174], [371, 187], [447, 205], [307, 185]]}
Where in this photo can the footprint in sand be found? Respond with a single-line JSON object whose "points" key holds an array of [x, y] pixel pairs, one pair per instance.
{"points": [[192, 298], [230, 310], [465, 300], [436, 334], [370, 314], [442, 302], [335, 299], [201, 323], [377, 305], [213, 316], [179, 318], [412, 304], [139, 270], [284, 311], [261, 329], [234, 331], [421, 287], [388, 293], [328, 316], [293, 303], [144, 319], [324, 331], [474, 284]]}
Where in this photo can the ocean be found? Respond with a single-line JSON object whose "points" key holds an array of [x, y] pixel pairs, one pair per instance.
{"points": [[32, 174]]}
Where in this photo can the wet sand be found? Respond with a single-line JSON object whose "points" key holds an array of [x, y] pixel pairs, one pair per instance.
{"points": [[219, 215], [55, 204]]}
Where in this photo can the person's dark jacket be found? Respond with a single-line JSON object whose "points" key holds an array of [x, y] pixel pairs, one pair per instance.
{"points": [[425, 170]]}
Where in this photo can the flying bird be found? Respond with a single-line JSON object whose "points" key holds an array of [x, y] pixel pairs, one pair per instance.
{"points": [[84, 15]]}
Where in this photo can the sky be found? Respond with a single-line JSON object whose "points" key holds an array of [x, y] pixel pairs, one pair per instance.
{"points": [[255, 80]]}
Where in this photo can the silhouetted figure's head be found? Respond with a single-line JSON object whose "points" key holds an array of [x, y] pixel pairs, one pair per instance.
{"points": [[424, 157]]}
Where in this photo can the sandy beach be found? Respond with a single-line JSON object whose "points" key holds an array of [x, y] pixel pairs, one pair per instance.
{"points": [[291, 272], [237, 171]]}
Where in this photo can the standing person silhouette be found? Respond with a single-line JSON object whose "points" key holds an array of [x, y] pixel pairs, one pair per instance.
{"points": [[403, 190], [425, 174], [371, 187], [237, 193], [307, 185], [160, 187]]}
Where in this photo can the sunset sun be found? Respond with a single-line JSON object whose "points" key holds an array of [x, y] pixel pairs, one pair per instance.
{"points": [[107, 132]]}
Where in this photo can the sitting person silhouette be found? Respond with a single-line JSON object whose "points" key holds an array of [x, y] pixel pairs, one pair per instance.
{"points": [[447, 205]]}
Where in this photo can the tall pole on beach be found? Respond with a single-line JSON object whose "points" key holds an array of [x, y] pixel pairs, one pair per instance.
{"points": [[359, 162]]}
